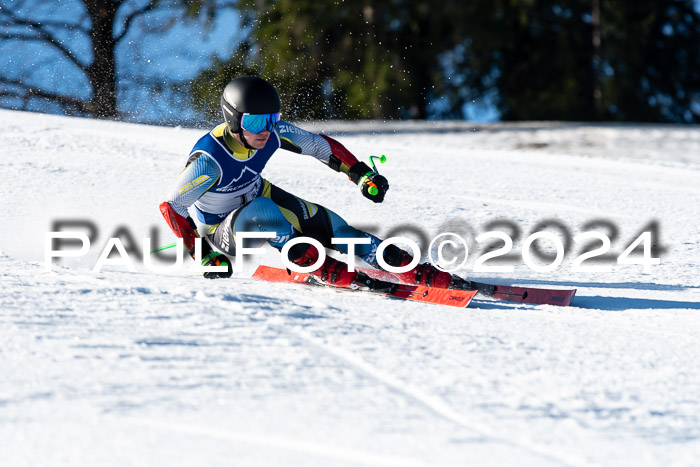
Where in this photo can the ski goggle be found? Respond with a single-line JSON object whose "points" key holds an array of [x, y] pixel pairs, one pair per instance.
{"points": [[257, 123]]}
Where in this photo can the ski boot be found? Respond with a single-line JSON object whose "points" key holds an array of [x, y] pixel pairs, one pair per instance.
{"points": [[424, 274], [331, 272]]}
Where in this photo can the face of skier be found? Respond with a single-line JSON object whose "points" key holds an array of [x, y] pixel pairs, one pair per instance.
{"points": [[256, 140]]}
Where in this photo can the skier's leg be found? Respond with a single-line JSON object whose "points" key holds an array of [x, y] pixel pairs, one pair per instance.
{"points": [[316, 221], [310, 220], [260, 215], [423, 274], [342, 230], [263, 215]]}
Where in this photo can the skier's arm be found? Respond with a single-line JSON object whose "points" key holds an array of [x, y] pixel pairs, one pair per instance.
{"points": [[372, 185], [334, 155], [200, 174]]}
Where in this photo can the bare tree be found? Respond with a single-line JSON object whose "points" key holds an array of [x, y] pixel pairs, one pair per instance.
{"points": [[81, 36]]}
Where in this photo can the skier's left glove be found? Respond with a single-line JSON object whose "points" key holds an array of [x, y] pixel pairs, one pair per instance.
{"points": [[217, 259], [373, 185]]}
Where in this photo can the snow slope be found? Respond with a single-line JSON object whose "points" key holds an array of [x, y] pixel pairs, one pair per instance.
{"points": [[140, 368]]}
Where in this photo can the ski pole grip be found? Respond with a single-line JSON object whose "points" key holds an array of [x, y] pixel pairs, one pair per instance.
{"points": [[373, 190], [382, 159]]}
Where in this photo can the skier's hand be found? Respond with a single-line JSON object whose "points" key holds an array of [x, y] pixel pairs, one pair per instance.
{"points": [[374, 186], [217, 259]]}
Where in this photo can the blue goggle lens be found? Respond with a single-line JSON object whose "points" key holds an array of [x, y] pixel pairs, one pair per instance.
{"points": [[257, 123]]}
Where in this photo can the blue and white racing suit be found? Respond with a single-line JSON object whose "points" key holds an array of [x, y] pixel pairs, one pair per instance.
{"points": [[222, 182]]}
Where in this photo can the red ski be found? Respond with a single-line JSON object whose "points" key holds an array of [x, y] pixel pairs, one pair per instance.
{"points": [[531, 295], [449, 297]]}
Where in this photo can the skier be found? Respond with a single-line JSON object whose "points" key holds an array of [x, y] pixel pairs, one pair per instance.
{"points": [[222, 180]]}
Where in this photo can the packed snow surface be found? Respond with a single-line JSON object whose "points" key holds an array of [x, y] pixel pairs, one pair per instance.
{"points": [[142, 368]]}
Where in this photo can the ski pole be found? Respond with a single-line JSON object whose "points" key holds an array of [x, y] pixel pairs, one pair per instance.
{"points": [[382, 159], [164, 247]]}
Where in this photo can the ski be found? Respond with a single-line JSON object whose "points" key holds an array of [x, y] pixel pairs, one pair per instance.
{"points": [[449, 297], [529, 295]]}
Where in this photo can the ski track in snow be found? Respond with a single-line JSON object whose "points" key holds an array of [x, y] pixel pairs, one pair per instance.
{"points": [[145, 368], [431, 402]]}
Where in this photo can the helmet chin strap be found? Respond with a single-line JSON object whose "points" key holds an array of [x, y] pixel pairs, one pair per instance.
{"points": [[243, 140], [240, 138]]}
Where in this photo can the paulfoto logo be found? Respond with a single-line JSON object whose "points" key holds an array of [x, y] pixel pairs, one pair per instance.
{"points": [[125, 260], [542, 250]]}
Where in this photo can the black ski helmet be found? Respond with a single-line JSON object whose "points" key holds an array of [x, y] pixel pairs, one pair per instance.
{"points": [[248, 94]]}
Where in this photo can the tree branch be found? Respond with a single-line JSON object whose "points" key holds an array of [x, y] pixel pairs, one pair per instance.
{"points": [[131, 17], [29, 92], [26, 39], [44, 36], [14, 21]]}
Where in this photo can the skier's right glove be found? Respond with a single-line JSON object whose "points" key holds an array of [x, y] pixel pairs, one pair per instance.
{"points": [[373, 185], [217, 259]]}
